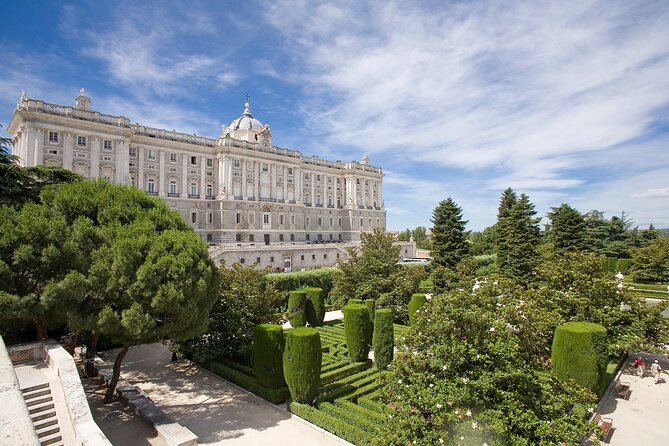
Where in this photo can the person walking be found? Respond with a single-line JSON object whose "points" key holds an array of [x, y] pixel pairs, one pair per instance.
{"points": [[655, 369], [638, 363]]}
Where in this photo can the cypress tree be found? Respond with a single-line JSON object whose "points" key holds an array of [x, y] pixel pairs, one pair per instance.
{"points": [[449, 238], [502, 229], [567, 229]]}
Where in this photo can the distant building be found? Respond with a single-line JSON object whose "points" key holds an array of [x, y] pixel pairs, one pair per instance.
{"points": [[247, 198]]}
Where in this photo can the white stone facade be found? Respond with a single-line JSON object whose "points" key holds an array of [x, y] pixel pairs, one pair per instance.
{"points": [[237, 190]]}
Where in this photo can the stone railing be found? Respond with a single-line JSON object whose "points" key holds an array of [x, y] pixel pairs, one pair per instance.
{"points": [[72, 112], [16, 427]]}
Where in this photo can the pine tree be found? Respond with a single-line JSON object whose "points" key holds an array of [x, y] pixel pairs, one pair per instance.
{"points": [[502, 228], [449, 237], [567, 229], [522, 241]]}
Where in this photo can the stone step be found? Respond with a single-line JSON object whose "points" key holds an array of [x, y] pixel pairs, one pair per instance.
{"points": [[36, 393], [46, 422], [46, 431], [41, 407], [38, 400], [35, 387], [51, 439], [43, 416]]}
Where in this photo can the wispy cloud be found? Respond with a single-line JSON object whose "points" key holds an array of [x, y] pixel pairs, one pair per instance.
{"points": [[652, 193]]}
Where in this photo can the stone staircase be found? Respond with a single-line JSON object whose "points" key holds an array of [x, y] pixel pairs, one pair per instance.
{"points": [[43, 414]]}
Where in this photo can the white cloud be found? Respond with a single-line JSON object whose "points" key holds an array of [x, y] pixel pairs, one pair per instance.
{"points": [[526, 88], [652, 193]]}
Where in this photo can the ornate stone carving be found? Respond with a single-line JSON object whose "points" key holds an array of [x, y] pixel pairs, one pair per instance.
{"points": [[83, 102]]}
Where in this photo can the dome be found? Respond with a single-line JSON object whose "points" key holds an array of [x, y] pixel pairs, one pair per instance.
{"points": [[246, 121]]}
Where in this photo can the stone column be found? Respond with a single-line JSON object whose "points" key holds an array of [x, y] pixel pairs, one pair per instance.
{"points": [[228, 176], [313, 188], [30, 147], [272, 168], [221, 180], [39, 147], [68, 148], [256, 184], [334, 191], [140, 168], [297, 176], [244, 188], [285, 184], [184, 178], [379, 191], [203, 162], [161, 175], [95, 157], [122, 162]]}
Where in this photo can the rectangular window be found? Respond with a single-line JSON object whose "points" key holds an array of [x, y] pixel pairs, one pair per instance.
{"points": [[252, 218], [258, 260], [318, 177], [307, 221], [81, 141], [210, 218], [193, 217], [280, 237], [238, 237], [313, 256], [290, 171], [340, 222], [265, 168], [106, 158], [151, 186], [271, 259], [173, 157], [173, 187], [251, 238], [308, 238], [306, 176], [210, 190], [133, 181], [320, 221], [209, 238], [151, 154], [265, 219], [281, 219], [292, 219], [331, 221], [238, 218], [210, 162], [132, 152], [193, 160], [292, 237], [107, 144], [53, 137], [193, 188], [301, 257], [53, 152], [237, 163]]}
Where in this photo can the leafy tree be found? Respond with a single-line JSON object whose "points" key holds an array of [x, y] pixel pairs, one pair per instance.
{"points": [[419, 234], [406, 282], [449, 238], [522, 240], [464, 373], [567, 229], [503, 228], [246, 298], [651, 263], [42, 265], [368, 272], [482, 242]]}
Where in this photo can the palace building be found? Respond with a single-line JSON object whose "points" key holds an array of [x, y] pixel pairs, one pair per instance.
{"points": [[250, 200]]}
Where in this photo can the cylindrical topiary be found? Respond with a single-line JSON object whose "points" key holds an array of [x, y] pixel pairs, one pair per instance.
{"points": [[383, 339], [355, 301], [358, 334], [302, 359], [315, 306], [268, 345], [371, 306], [297, 303], [579, 353], [416, 303]]}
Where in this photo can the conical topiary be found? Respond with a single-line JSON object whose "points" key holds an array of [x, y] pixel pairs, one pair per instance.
{"points": [[302, 359]]}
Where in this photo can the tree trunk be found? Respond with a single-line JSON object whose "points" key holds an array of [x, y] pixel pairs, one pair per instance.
{"points": [[40, 329], [91, 351], [74, 337], [109, 396]]}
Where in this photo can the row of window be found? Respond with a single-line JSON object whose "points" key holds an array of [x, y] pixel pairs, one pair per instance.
{"points": [[271, 259], [82, 141]]}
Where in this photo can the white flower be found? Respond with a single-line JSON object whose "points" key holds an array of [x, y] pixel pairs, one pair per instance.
{"points": [[443, 368], [591, 410], [399, 381], [431, 385], [457, 411], [441, 441], [474, 424], [439, 406], [462, 438], [492, 328], [469, 413], [464, 380]]}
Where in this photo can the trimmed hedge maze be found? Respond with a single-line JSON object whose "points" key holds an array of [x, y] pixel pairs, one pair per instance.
{"points": [[347, 404]]}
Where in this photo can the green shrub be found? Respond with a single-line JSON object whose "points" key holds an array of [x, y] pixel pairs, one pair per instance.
{"points": [[286, 282], [624, 265], [297, 303], [610, 264], [383, 338], [417, 302], [371, 306], [579, 353], [315, 311], [355, 301], [268, 343], [332, 424], [358, 334], [302, 358], [228, 371]]}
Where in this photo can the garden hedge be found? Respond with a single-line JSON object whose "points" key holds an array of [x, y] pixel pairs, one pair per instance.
{"points": [[322, 278], [624, 265], [579, 353], [268, 344], [383, 339], [297, 305], [302, 358], [416, 303], [315, 311], [371, 306], [332, 424], [357, 330], [228, 371], [355, 301]]}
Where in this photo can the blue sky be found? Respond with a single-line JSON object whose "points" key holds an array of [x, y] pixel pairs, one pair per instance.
{"points": [[565, 101]]}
